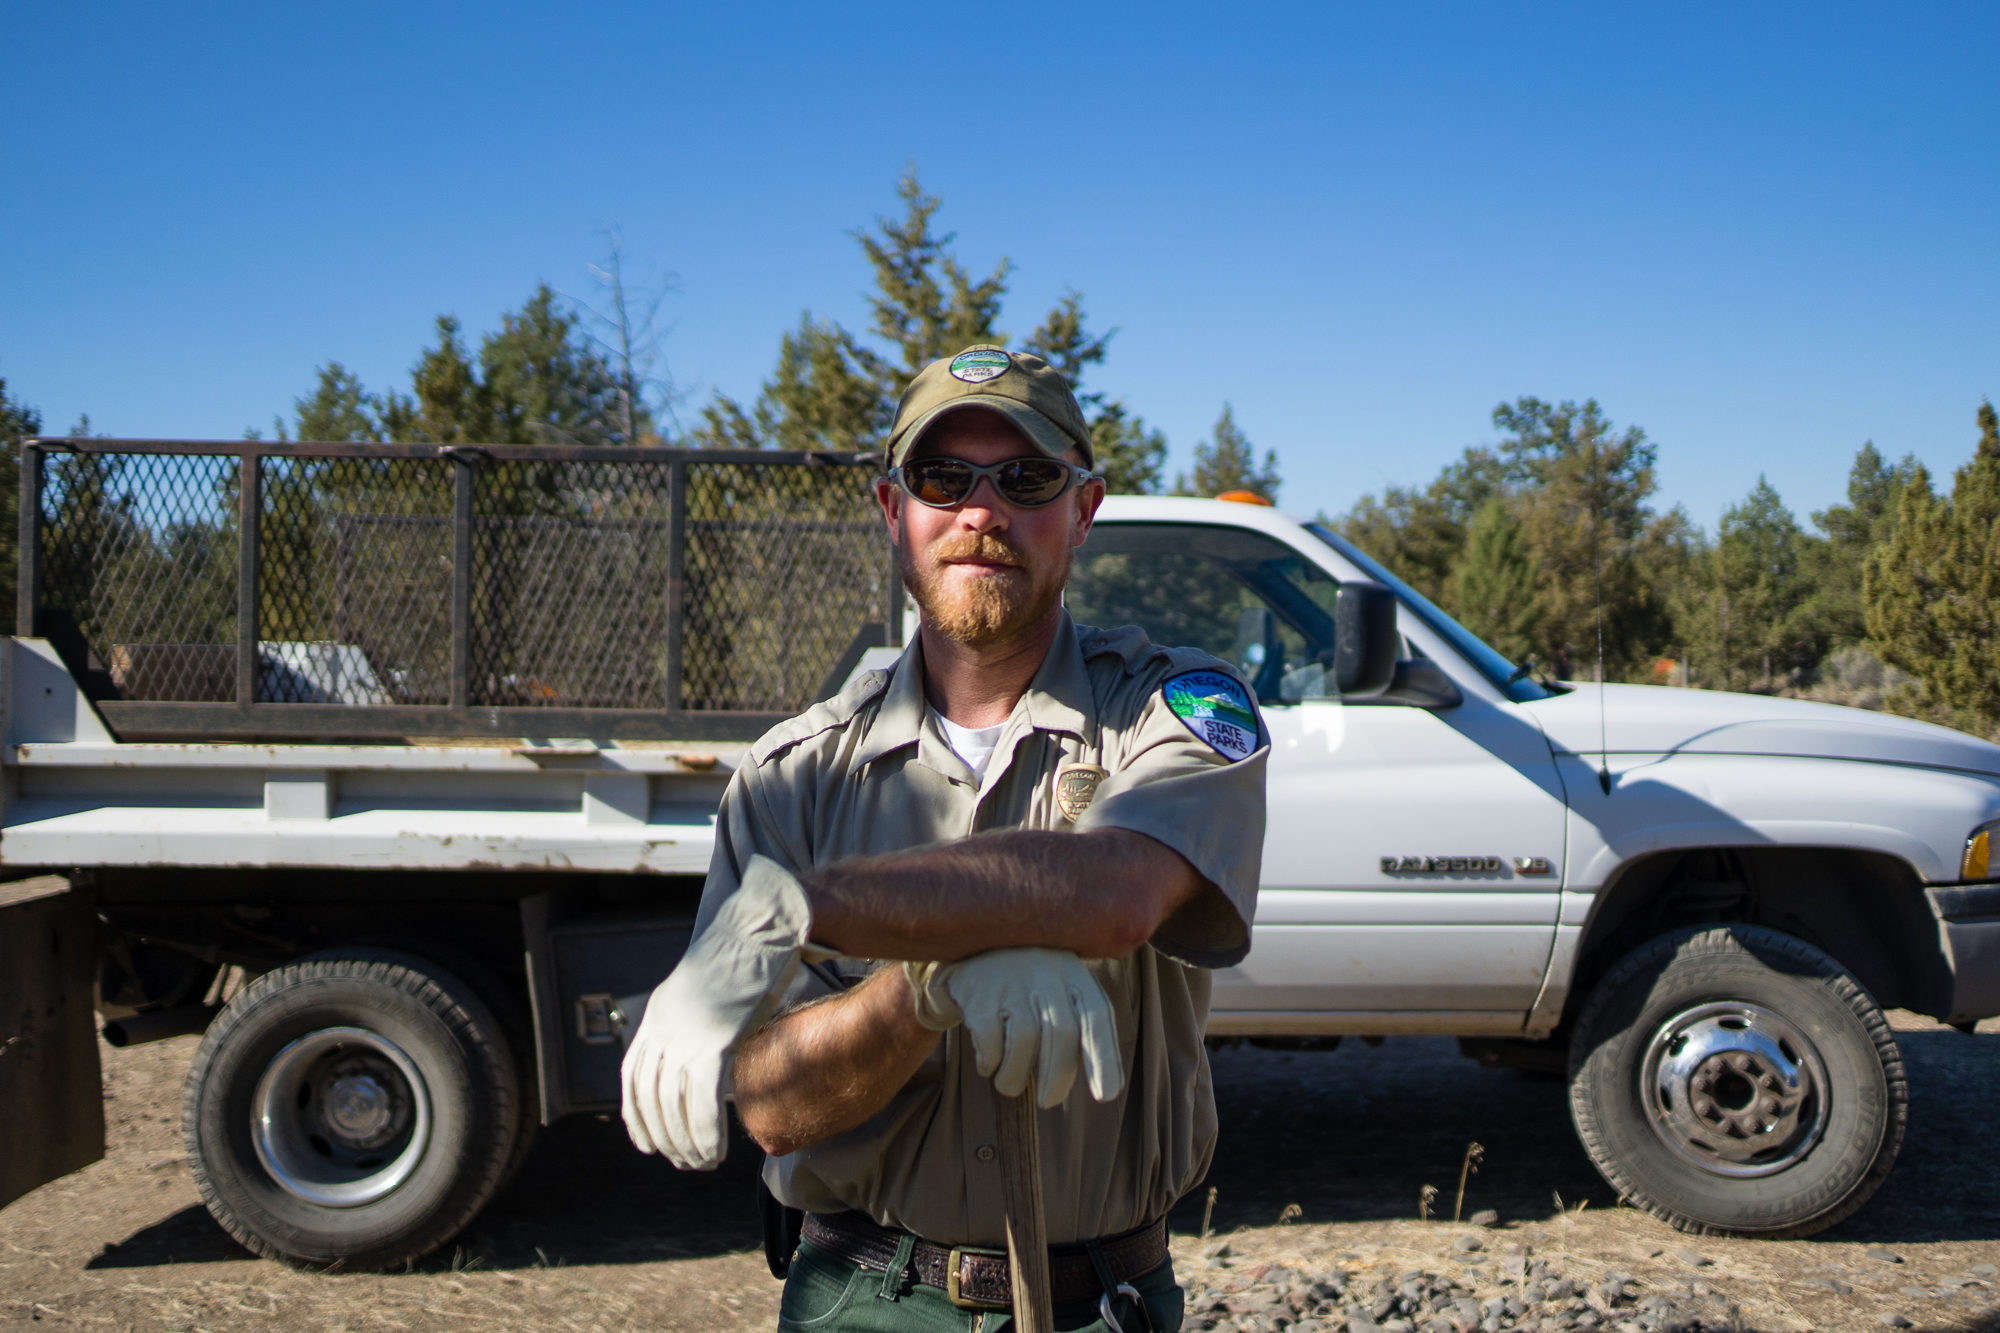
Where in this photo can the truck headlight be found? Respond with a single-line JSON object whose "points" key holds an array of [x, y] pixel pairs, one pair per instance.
{"points": [[1977, 863]]}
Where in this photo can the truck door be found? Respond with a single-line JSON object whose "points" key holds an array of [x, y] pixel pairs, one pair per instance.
{"points": [[1412, 864], [51, 1089]]}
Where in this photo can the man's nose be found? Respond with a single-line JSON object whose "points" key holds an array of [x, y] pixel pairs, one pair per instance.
{"points": [[983, 509]]}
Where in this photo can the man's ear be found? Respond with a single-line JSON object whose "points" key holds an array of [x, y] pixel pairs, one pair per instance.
{"points": [[890, 497], [1086, 509]]}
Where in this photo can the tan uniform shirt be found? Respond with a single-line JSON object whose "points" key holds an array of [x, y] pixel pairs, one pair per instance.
{"points": [[868, 772]]}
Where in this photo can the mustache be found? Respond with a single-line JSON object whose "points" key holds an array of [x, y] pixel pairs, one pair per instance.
{"points": [[982, 546]]}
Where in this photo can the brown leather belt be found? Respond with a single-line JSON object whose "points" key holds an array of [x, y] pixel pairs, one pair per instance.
{"points": [[978, 1278]]}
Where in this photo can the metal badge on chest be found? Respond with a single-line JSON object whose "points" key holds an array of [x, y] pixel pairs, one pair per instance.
{"points": [[1076, 785]]}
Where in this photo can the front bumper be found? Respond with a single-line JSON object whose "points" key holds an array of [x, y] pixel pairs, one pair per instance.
{"points": [[1969, 921]]}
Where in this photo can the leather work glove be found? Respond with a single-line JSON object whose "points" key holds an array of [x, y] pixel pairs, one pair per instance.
{"points": [[676, 1076], [1028, 1011]]}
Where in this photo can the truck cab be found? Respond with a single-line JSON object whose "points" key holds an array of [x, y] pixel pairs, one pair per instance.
{"points": [[1639, 888]]}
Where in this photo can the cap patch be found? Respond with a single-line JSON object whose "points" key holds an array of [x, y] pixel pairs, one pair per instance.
{"points": [[1217, 709], [980, 365]]}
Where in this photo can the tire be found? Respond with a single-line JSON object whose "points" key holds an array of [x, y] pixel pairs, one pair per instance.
{"points": [[1734, 1080], [515, 1021], [355, 1108]]}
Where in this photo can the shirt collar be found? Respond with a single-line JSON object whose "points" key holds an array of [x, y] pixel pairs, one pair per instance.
{"points": [[1058, 699]]}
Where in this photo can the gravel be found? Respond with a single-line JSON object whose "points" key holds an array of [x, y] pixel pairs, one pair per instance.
{"points": [[1527, 1293]]}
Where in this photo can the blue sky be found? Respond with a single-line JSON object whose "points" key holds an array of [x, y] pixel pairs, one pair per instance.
{"points": [[1765, 233]]}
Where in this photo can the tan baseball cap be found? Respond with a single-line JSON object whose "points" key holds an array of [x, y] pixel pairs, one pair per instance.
{"points": [[1027, 390]]}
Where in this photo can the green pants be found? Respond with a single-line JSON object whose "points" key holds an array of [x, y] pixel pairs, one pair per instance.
{"points": [[828, 1294]]}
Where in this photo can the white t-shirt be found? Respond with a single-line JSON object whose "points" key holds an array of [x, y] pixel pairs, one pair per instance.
{"points": [[974, 747]]}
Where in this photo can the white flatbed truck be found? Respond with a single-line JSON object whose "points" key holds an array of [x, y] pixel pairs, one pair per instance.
{"points": [[422, 781]]}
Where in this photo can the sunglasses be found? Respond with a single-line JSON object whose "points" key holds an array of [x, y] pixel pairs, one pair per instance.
{"points": [[1030, 483]]}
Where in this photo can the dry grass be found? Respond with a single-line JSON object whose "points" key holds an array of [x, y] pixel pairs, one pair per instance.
{"points": [[1321, 1161]]}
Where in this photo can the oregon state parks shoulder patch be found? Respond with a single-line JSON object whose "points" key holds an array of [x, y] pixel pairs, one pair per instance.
{"points": [[1217, 709]]}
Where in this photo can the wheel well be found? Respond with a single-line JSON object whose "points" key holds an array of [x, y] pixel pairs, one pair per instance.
{"points": [[1866, 909]]}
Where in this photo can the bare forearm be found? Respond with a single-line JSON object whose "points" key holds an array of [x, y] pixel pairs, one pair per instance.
{"points": [[829, 1066], [1098, 895]]}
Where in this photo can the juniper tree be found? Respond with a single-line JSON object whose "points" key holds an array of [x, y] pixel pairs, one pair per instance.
{"points": [[1421, 532], [1933, 591], [1130, 456], [1830, 565], [1582, 487], [537, 380], [1741, 615], [1227, 462], [832, 389], [1492, 585], [339, 409]]}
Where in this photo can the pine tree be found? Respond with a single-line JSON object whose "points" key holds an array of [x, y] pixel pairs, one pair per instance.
{"points": [[538, 380], [546, 384], [1830, 565], [1063, 340], [1227, 462], [1741, 616], [1492, 586], [832, 390], [451, 405], [1582, 488], [926, 305], [1420, 534], [1130, 456], [825, 394], [339, 409], [1933, 591]]}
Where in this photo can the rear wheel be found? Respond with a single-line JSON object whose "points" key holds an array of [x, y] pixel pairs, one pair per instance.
{"points": [[356, 1107], [515, 1022], [1735, 1080]]}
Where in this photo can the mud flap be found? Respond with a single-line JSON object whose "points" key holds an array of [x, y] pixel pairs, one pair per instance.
{"points": [[51, 1087]]}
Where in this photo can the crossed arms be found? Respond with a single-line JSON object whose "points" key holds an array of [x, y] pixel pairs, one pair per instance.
{"points": [[827, 1066]]}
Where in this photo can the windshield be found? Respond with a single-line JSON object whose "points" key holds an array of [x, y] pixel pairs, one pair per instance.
{"points": [[1491, 664]]}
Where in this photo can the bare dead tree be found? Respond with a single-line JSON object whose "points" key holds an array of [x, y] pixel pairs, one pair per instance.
{"points": [[624, 326]]}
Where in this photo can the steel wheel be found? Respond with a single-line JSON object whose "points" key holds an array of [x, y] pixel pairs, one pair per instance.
{"points": [[1735, 1089], [1732, 1079], [341, 1117], [354, 1108]]}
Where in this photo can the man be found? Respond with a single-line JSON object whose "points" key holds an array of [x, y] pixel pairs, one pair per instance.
{"points": [[1018, 794]]}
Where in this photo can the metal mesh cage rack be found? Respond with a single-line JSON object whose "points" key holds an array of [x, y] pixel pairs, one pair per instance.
{"points": [[281, 591]]}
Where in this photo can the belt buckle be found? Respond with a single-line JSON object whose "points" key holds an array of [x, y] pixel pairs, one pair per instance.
{"points": [[953, 1266]]}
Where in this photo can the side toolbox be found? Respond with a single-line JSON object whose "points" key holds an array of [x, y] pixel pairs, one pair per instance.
{"points": [[580, 971]]}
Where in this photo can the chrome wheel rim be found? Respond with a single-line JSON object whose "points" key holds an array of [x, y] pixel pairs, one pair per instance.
{"points": [[1734, 1089], [341, 1117]]}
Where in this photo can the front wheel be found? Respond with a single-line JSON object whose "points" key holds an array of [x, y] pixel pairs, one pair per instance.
{"points": [[1734, 1080], [356, 1107]]}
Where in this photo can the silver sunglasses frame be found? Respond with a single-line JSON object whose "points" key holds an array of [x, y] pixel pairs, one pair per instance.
{"points": [[989, 472]]}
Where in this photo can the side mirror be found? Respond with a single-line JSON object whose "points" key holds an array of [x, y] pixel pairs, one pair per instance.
{"points": [[1364, 638], [1421, 684]]}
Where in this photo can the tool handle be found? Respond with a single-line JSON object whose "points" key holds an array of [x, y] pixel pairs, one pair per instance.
{"points": [[1027, 1230]]}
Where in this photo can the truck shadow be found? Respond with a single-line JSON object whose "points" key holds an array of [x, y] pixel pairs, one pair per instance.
{"points": [[190, 1236], [1355, 1134], [1350, 1135]]}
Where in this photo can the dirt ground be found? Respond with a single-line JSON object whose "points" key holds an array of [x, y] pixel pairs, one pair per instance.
{"points": [[1339, 1144]]}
